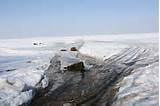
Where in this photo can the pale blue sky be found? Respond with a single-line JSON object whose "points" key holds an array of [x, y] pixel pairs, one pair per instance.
{"points": [[19, 18]]}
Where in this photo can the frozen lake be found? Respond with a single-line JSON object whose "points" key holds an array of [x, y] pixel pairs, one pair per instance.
{"points": [[22, 65]]}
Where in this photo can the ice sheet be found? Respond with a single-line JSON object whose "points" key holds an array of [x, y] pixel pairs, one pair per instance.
{"points": [[30, 61]]}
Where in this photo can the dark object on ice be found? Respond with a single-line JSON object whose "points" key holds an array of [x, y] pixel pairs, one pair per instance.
{"points": [[35, 44], [73, 49], [10, 70], [75, 67], [63, 50], [28, 61], [38, 43], [41, 43]]}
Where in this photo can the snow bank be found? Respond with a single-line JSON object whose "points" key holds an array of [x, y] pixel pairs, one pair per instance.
{"points": [[16, 87], [139, 88]]}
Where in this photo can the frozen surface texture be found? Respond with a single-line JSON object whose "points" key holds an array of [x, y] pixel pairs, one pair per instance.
{"points": [[22, 65]]}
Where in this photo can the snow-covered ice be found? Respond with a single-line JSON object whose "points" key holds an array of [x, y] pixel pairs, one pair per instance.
{"points": [[101, 50], [22, 64], [140, 88]]}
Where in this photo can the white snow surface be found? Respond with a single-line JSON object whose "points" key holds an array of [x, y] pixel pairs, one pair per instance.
{"points": [[27, 62], [105, 46], [139, 88], [101, 50]]}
